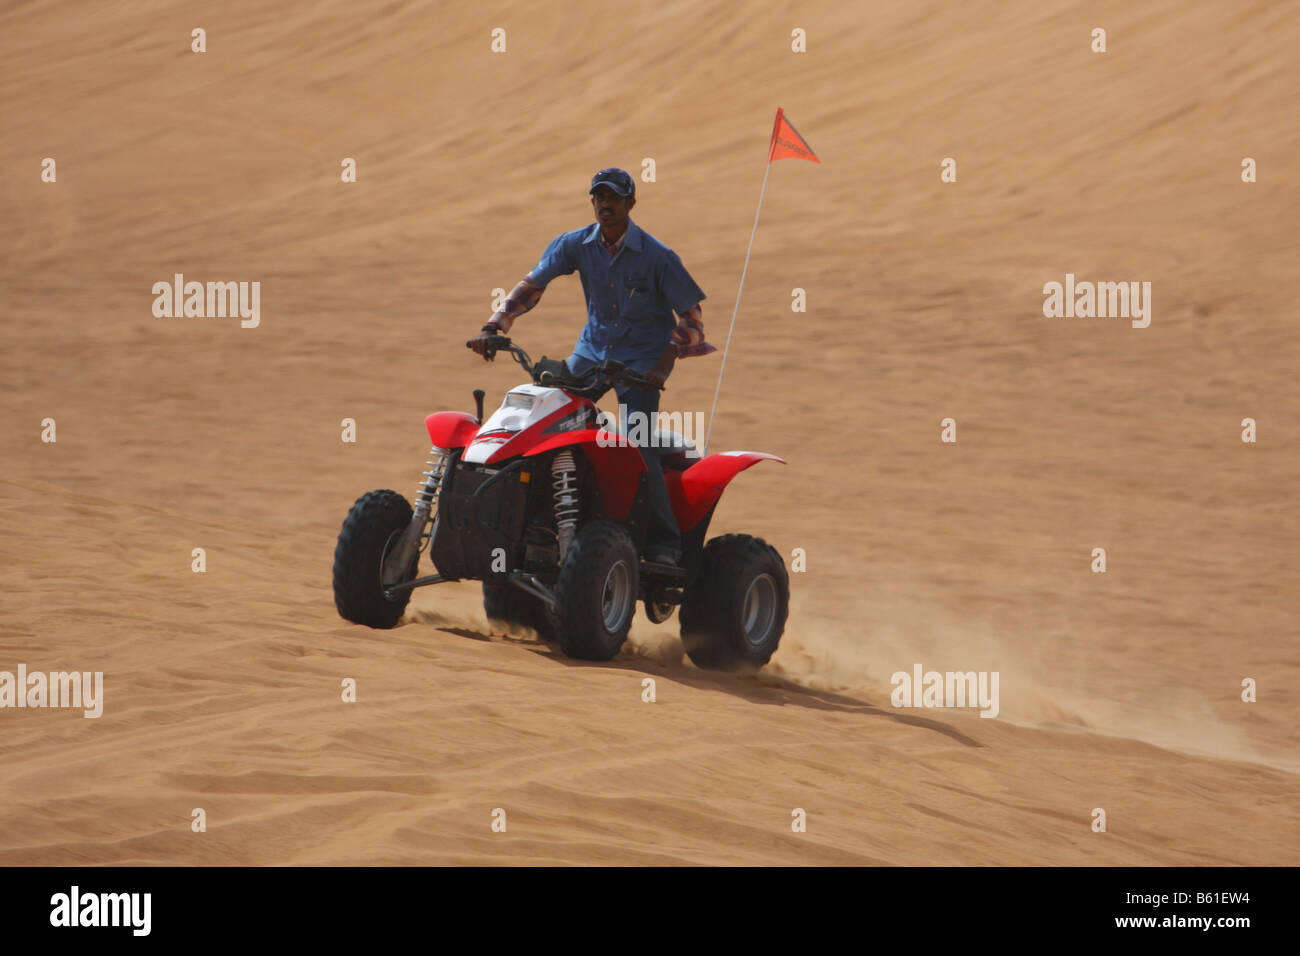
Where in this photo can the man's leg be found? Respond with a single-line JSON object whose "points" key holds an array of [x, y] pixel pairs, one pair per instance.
{"points": [[662, 535]]}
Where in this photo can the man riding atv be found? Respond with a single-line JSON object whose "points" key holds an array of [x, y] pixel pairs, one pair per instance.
{"points": [[568, 524], [633, 284]]}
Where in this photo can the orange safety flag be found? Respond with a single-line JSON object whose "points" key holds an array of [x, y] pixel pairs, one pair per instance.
{"points": [[787, 142]]}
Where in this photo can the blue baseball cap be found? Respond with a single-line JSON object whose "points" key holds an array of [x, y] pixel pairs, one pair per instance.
{"points": [[615, 179]]}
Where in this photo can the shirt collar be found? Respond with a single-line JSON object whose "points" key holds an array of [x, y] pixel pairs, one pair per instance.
{"points": [[631, 236]]}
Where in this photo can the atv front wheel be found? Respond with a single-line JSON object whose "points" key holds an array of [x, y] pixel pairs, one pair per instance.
{"points": [[733, 615], [374, 524], [505, 602], [595, 596]]}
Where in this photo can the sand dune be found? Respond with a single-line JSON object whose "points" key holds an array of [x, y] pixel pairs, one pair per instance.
{"points": [[222, 690]]}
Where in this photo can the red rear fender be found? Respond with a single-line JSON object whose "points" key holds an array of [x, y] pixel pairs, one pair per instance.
{"points": [[701, 485], [451, 429], [618, 469]]}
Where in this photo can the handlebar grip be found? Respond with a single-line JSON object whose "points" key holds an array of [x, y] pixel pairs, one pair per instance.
{"points": [[493, 342], [635, 379]]}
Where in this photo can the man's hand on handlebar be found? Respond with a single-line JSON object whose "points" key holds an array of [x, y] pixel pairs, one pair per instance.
{"points": [[484, 344], [659, 374], [648, 379]]}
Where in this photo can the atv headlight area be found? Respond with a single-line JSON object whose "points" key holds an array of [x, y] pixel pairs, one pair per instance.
{"points": [[518, 400]]}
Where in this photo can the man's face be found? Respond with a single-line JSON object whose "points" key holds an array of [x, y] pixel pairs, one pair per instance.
{"points": [[611, 208]]}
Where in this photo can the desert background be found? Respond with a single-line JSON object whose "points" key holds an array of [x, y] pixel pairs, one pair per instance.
{"points": [[222, 689]]}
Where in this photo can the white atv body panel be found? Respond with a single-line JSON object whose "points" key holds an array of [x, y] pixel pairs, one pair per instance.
{"points": [[522, 407]]}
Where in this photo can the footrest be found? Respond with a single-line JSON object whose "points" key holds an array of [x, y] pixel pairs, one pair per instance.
{"points": [[669, 571]]}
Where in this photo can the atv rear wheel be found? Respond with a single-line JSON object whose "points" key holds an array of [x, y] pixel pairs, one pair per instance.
{"points": [[374, 525], [733, 615], [505, 602], [595, 596]]}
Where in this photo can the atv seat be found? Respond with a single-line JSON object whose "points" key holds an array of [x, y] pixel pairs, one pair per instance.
{"points": [[676, 451]]}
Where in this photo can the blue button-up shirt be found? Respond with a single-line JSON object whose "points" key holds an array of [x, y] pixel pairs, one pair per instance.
{"points": [[631, 296]]}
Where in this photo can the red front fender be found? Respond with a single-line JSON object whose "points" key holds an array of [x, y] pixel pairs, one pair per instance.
{"points": [[451, 429], [618, 467]]}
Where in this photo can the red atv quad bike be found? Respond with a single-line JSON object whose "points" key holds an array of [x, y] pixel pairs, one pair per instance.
{"points": [[549, 510]]}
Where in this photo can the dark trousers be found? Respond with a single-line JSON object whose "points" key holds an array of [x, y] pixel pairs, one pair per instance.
{"points": [[662, 533]]}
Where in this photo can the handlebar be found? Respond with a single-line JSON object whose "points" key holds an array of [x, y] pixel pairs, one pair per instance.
{"points": [[611, 369]]}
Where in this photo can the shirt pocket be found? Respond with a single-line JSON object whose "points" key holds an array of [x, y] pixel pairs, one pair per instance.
{"points": [[638, 295]]}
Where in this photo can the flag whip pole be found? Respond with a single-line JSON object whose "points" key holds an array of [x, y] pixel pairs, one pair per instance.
{"points": [[709, 433]]}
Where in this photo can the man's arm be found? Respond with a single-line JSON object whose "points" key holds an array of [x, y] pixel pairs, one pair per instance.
{"points": [[523, 297], [687, 339], [685, 296], [558, 260]]}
